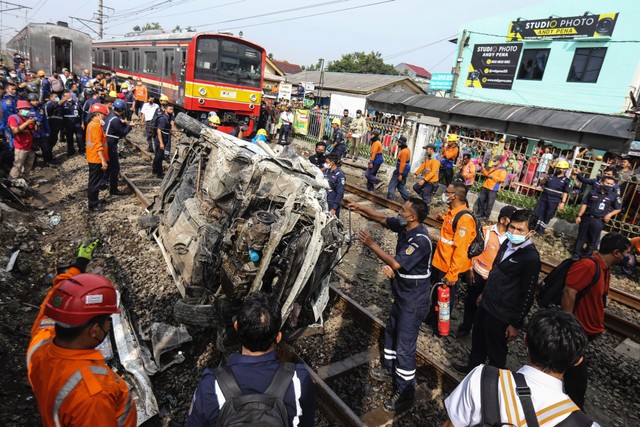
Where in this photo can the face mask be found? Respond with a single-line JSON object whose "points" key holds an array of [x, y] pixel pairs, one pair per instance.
{"points": [[319, 153], [516, 239], [445, 199], [13, 76], [24, 113], [402, 221], [608, 188], [327, 166], [358, 115], [57, 99], [139, 83], [125, 90]]}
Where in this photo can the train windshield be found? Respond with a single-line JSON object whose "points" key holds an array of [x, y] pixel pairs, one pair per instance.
{"points": [[227, 61]]}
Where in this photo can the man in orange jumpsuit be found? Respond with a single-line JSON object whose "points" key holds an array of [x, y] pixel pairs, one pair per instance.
{"points": [[70, 380], [375, 161], [487, 197], [140, 95], [97, 155], [449, 155], [468, 171], [428, 185], [458, 230]]}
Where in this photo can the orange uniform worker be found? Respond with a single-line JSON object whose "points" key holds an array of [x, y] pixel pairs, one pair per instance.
{"points": [[428, 185], [450, 258], [140, 95], [450, 153], [70, 380], [468, 171], [399, 177], [375, 161], [97, 154], [487, 197]]}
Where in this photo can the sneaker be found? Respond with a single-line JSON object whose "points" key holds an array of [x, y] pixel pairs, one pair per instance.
{"points": [[380, 373], [399, 402], [463, 369]]}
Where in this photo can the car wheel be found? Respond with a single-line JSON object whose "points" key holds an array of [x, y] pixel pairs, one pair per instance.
{"points": [[190, 312]]}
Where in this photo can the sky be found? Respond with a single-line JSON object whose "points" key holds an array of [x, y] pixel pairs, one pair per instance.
{"points": [[411, 31]]}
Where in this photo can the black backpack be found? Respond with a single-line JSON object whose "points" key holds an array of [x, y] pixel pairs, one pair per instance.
{"points": [[477, 246], [265, 410], [490, 404], [552, 287]]}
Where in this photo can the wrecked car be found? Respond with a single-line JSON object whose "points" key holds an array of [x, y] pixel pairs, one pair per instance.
{"points": [[235, 218]]}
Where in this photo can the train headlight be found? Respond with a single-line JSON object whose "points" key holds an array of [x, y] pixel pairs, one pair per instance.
{"points": [[253, 97], [202, 91]]}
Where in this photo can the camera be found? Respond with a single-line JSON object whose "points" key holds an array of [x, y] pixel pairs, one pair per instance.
{"points": [[604, 26]]}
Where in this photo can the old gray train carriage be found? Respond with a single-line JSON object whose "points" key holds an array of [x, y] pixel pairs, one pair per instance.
{"points": [[52, 47]]}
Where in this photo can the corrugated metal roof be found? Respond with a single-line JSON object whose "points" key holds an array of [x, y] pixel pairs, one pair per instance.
{"points": [[601, 131], [352, 82]]}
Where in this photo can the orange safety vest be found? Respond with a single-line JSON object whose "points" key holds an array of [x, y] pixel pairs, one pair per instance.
{"points": [[492, 240], [431, 168], [495, 177], [56, 374], [469, 174], [451, 250], [96, 140], [140, 93]]}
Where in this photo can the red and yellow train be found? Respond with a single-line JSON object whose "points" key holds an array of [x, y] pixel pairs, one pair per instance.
{"points": [[199, 72]]}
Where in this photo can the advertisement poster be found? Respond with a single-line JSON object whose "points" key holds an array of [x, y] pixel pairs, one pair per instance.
{"points": [[284, 91], [493, 66], [563, 28], [301, 122], [441, 81]]}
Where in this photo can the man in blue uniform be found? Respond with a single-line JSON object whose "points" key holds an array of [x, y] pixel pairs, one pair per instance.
{"points": [[320, 154], [409, 272], [336, 179], [41, 133], [9, 100], [54, 118], [163, 138], [338, 145], [258, 328], [90, 97], [609, 172], [72, 123], [597, 208], [555, 190], [115, 127]]}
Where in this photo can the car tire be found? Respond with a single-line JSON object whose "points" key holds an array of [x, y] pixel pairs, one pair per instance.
{"points": [[146, 222], [190, 125], [189, 312]]}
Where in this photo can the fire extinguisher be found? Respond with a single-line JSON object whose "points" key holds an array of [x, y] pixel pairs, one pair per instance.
{"points": [[444, 309]]}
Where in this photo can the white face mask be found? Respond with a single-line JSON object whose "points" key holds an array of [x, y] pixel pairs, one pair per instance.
{"points": [[327, 166], [445, 199]]}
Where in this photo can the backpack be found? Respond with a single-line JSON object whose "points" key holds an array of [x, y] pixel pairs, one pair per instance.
{"points": [[490, 404], [266, 409], [477, 246], [552, 287], [56, 85]]}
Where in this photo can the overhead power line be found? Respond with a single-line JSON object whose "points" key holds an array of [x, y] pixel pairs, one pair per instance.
{"points": [[404, 52]]}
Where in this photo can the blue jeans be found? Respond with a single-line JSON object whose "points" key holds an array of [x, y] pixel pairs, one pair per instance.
{"points": [[371, 175], [395, 183]]}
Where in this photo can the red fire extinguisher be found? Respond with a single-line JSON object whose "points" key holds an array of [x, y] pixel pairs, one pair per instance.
{"points": [[444, 310]]}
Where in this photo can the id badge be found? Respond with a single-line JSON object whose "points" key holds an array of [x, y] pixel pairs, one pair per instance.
{"points": [[601, 206]]}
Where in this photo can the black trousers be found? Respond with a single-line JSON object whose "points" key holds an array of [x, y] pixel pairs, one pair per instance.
{"points": [[113, 169], [95, 179], [470, 306], [486, 199], [588, 232], [284, 133], [73, 128], [577, 378], [488, 340], [156, 167], [546, 208], [426, 191], [137, 106], [446, 175], [55, 125]]}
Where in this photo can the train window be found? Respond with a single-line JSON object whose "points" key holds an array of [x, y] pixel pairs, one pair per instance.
{"points": [[136, 60], [106, 58], [240, 64], [93, 57], [206, 59], [150, 62], [124, 59], [168, 62]]}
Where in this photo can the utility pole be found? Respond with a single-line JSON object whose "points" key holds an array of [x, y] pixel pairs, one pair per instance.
{"points": [[456, 69], [100, 19]]}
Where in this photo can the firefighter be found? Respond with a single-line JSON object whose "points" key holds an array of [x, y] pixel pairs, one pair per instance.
{"points": [[410, 284], [555, 190], [70, 379], [115, 127], [428, 185], [72, 123], [597, 208], [97, 155], [336, 179]]}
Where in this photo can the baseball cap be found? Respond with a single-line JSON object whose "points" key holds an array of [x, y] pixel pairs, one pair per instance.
{"points": [[433, 147], [402, 141], [506, 212]]}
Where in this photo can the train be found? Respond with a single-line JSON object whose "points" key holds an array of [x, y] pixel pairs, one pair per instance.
{"points": [[199, 72], [52, 47]]}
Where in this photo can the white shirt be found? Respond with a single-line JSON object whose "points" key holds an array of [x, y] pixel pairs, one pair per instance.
{"points": [[544, 162], [286, 117], [148, 110], [511, 249], [463, 404]]}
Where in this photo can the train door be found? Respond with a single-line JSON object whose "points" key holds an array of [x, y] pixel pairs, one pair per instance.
{"points": [[182, 76], [60, 54]]}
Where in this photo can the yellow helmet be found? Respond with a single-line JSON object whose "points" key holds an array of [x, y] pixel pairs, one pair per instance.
{"points": [[113, 94], [452, 137], [562, 164], [214, 120], [261, 132], [164, 98], [124, 86], [336, 121]]}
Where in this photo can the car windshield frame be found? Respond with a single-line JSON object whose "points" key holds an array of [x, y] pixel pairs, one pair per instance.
{"points": [[228, 62]]}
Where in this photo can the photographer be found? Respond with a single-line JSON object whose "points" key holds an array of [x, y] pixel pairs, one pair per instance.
{"points": [[22, 129]]}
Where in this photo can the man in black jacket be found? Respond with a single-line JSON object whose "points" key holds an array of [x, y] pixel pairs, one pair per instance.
{"points": [[508, 295]]}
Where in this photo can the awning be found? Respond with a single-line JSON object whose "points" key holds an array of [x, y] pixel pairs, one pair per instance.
{"points": [[600, 131]]}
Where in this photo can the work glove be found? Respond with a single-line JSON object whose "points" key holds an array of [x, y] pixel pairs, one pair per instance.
{"points": [[85, 253]]}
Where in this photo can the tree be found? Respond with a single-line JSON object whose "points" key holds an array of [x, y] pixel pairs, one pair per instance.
{"points": [[312, 67], [270, 56], [148, 26], [187, 29], [177, 29], [363, 63]]}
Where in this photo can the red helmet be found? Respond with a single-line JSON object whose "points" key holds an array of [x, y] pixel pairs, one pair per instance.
{"points": [[99, 108], [80, 298], [23, 104]]}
